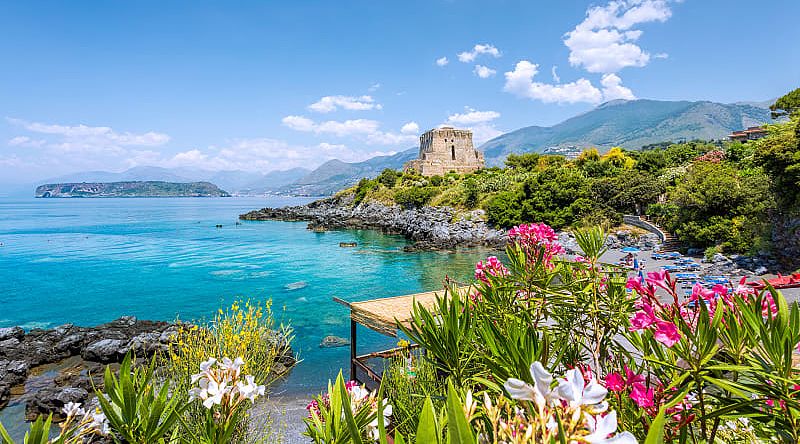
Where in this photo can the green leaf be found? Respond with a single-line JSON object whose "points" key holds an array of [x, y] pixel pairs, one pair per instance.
{"points": [[458, 429], [355, 433], [427, 431], [656, 433]]}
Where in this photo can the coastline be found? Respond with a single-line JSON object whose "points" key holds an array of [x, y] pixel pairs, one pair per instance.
{"points": [[430, 228]]}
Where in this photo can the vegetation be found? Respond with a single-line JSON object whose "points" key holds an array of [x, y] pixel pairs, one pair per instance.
{"points": [[194, 394], [546, 350], [710, 194]]}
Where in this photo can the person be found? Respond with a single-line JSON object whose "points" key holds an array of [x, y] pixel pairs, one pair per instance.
{"points": [[636, 264]]}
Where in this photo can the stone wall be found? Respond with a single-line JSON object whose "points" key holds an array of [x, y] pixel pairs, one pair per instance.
{"points": [[446, 149]]}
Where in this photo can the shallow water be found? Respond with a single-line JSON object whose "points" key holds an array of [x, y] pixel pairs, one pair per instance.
{"points": [[88, 261]]}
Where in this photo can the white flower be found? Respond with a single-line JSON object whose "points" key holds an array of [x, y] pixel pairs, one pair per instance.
{"points": [[372, 427], [205, 370], [98, 423], [250, 390], [602, 427], [73, 409], [574, 390], [214, 394], [358, 393], [539, 392], [234, 365]]}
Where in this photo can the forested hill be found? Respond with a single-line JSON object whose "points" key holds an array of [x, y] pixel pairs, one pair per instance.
{"points": [[631, 124], [130, 189]]}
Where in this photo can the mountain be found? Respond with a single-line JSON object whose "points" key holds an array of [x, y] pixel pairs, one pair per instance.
{"points": [[631, 124], [129, 189], [334, 175]]}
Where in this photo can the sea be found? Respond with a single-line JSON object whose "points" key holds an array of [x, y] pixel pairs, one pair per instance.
{"points": [[89, 261]]}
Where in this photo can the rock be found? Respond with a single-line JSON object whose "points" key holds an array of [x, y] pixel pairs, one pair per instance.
{"points": [[719, 257], [760, 271], [7, 344], [5, 394], [105, 350], [11, 333], [51, 400], [334, 341]]}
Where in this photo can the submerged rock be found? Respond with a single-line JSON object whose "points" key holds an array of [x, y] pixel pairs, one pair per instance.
{"points": [[334, 341]]}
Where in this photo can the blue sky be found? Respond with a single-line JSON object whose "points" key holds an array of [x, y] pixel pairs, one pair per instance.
{"points": [[266, 85]]}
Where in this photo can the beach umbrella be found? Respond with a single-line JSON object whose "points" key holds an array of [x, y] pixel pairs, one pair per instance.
{"points": [[630, 250]]}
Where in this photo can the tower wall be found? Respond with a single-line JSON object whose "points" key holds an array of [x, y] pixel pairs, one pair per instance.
{"points": [[446, 149]]}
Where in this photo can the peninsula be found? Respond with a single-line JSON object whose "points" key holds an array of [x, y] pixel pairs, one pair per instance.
{"points": [[130, 189]]}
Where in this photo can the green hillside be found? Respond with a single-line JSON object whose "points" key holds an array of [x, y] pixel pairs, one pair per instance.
{"points": [[631, 124]]}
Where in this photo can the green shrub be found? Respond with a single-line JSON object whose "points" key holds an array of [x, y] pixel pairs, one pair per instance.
{"points": [[436, 180], [364, 186], [389, 177], [408, 381], [711, 251], [471, 193], [414, 197], [505, 209]]}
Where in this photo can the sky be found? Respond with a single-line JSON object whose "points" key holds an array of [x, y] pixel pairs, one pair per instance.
{"points": [[269, 85]]}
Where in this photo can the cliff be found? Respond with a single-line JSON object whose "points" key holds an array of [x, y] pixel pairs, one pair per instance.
{"points": [[130, 189]]}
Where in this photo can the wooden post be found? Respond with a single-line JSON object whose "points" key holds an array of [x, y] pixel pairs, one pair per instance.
{"points": [[353, 324]]}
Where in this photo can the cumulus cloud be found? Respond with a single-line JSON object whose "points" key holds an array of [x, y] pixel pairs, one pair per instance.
{"points": [[613, 89], [410, 128], [520, 82], [604, 41], [25, 141], [92, 135], [484, 72], [363, 129], [442, 61], [332, 103], [479, 49]]}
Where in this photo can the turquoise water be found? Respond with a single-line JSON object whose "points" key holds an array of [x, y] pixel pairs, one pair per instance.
{"points": [[88, 261]]}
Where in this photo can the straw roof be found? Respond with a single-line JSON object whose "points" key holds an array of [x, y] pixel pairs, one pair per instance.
{"points": [[382, 315]]}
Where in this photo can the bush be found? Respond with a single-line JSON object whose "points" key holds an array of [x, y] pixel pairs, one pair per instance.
{"points": [[243, 330], [471, 193], [364, 186], [414, 197], [505, 209], [408, 381], [389, 177]]}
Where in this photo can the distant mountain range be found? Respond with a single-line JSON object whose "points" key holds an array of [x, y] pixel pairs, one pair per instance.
{"points": [[630, 124]]}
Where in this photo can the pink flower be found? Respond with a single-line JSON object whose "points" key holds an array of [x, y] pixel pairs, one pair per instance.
{"points": [[642, 396], [666, 333], [536, 238], [659, 279], [643, 318], [492, 267], [631, 377], [614, 382]]}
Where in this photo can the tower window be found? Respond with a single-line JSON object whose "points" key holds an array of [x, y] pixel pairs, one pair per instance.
{"points": [[453, 151]]}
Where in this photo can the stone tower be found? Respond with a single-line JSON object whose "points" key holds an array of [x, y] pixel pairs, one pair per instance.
{"points": [[446, 149]]}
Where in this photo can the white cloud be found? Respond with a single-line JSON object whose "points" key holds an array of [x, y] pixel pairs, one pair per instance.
{"points": [[374, 87], [332, 103], [442, 61], [472, 116], [613, 89], [605, 43], [25, 141], [363, 129], [299, 123], [484, 72], [479, 122], [410, 128], [556, 78], [520, 82], [93, 135], [470, 56]]}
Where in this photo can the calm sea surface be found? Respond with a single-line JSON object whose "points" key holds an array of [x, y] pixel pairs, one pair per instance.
{"points": [[88, 261]]}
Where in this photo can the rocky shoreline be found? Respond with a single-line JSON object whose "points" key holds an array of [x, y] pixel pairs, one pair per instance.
{"points": [[46, 369], [435, 228]]}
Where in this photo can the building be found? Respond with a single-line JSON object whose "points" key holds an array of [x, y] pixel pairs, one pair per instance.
{"points": [[446, 149], [752, 133]]}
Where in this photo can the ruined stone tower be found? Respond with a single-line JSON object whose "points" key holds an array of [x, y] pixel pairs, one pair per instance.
{"points": [[446, 149]]}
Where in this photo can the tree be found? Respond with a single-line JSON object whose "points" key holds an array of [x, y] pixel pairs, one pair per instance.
{"points": [[786, 105], [523, 162]]}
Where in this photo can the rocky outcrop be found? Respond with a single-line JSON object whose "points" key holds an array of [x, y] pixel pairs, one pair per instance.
{"points": [[66, 363], [428, 227]]}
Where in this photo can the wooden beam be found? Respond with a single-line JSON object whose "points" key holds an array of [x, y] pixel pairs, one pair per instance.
{"points": [[353, 360]]}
